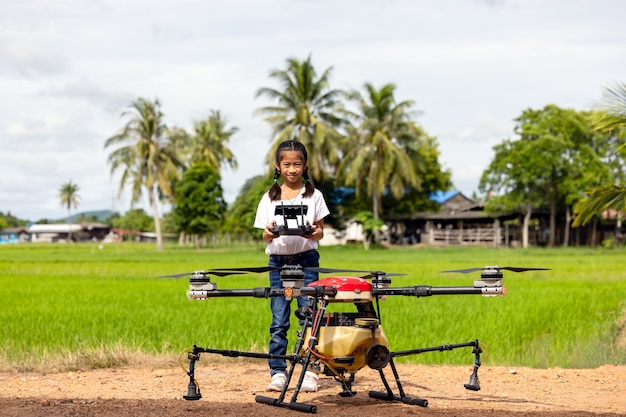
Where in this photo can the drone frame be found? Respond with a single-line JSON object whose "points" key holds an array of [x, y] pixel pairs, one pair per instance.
{"points": [[321, 293]]}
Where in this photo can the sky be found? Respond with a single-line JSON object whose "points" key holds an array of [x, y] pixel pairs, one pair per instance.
{"points": [[70, 68]]}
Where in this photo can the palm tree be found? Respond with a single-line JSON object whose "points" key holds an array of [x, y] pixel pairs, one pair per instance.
{"points": [[612, 108], [146, 156], [210, 141], [69, 198], [306, 110], [376, 159], [611, 118]]}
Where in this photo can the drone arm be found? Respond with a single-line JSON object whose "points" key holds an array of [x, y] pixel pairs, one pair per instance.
{"points": [[441, 348], [427, 291], [415, 291], [455, 290], [263, 292], [260, 292]]}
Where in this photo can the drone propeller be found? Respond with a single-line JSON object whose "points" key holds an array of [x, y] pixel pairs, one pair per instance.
{"points": [[223, 272], [370, 274], [254, 269], [497, 269], [212, 272]]}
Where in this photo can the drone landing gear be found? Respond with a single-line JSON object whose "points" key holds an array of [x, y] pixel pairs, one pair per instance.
{"points": [[346, 384], [388, 395], [292, 405]]}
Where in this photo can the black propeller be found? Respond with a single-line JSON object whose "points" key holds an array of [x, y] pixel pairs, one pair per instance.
{"points": [[497, 269], [212, 272], [223, 272], [370, 274]]}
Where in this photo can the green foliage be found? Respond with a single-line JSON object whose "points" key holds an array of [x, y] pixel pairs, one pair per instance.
{"points": [[555, 157], [147, 155], [375, 161], [604, 197], [423, 151], [611, 118], [241, 215], [612, 108], [68, 194], [9, 220], [134, 219], [200, 206], [210, 140], [109, 300], [305, 109]]}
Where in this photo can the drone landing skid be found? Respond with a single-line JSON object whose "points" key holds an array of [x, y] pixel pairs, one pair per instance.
{"points": [[292, 405]]}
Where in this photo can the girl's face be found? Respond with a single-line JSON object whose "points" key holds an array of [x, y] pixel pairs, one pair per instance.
{"points": [[291, 167]]}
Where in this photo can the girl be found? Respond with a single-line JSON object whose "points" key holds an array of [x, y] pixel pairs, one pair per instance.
{"points": [[291, 164]]}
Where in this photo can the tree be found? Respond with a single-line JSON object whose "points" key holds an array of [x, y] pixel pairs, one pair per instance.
{"points": [[306, 110], [375, 160], [610, 118], [68, 193], [240, 218], [146, 157], [370, 226], [210, 141], [200, 206], [134, 220], [510, 178], [611, 114], [553, 158], [424, 153]]}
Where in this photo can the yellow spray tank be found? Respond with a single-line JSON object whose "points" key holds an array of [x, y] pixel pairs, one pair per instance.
{"points": [[349, 341]]}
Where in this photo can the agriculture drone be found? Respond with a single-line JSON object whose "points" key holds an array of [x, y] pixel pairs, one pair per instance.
{"points": [[338, 344]]}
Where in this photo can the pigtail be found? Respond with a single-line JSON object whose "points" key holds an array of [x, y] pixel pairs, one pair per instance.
{"points": [[274, 192], [309, 188]]}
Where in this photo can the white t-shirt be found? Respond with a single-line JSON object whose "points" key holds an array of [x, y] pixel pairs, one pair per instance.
{"points": [[290, 245]]}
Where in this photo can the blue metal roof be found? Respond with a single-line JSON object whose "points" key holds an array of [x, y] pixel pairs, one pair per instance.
{"points": [[442, 196]]}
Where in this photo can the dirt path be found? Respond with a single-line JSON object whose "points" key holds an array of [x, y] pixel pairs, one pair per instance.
{"points": [[230, 390]]}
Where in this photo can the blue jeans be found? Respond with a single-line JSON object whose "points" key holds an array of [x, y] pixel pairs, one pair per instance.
{"points": [[281, 308]]}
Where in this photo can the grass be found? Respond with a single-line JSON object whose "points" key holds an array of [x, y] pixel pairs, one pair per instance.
{"points": [[85, 306]]}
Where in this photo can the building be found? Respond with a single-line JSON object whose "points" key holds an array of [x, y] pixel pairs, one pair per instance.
{"points": [[461, 221], [14, 235], [64, 232]]}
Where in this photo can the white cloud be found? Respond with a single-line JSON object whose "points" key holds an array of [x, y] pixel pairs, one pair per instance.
{"points": [[68, 69]]}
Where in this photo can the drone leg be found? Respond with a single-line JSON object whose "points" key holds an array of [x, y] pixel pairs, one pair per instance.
{"points": [[389, 396], [474, 384], [346, 384], [193, 391], [293, 404]]}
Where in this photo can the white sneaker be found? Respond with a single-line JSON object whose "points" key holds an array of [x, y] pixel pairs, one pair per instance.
{"points": [[278, 382], [309, 383]]}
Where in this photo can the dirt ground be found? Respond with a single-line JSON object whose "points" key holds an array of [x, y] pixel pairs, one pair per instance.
{"points": [[230, 390]]}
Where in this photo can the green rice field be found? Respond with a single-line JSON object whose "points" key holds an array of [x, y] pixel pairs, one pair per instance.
{"points": [[89, 305]]}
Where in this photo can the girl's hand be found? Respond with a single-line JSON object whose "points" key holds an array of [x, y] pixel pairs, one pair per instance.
{"points": [[268, 236], [318, 233]]}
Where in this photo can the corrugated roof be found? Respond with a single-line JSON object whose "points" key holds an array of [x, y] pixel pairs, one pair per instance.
{"points": [[55, 228], [442, 196]]}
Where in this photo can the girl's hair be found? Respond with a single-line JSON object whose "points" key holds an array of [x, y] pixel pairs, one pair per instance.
{"points": [[291, 145]]}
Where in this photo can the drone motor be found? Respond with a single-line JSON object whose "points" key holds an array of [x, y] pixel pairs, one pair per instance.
{"points": [[199, 284]]}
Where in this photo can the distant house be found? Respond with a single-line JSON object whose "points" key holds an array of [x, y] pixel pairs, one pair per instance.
{"points": [[14, 235], [461, 221], [62, 232]]}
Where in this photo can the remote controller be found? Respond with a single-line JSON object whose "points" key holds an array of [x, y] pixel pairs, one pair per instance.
{"points": [[297, 231]]}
